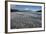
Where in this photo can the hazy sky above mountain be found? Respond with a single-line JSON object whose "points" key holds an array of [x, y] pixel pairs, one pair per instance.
{"points": [[26, 7]]}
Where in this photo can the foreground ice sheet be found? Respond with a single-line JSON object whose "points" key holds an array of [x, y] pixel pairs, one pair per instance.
{"points": [[25, 20]]}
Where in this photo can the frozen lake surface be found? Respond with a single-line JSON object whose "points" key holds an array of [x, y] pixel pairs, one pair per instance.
{"points": [[25, 20]]}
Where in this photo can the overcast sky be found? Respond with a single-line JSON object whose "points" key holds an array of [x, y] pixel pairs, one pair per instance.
{"points": [[26, 7]]}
